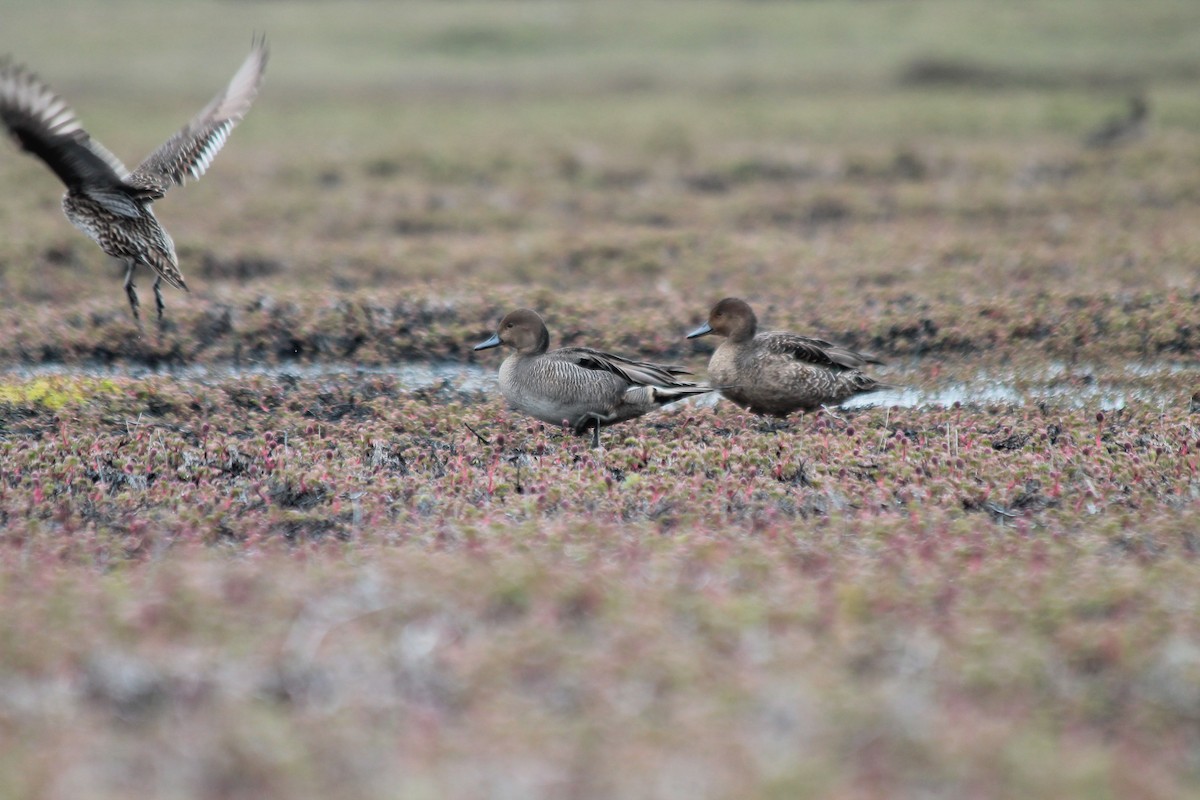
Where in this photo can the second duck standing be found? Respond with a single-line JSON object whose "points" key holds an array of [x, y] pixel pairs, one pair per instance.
{"points": [[777, 372], [579, 386]]}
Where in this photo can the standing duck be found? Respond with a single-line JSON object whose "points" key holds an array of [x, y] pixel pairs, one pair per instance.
{"points": [[578, 386], [777, 372]]}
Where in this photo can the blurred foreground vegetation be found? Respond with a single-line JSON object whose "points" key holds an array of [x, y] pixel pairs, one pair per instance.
{"points": [[306, 583]]}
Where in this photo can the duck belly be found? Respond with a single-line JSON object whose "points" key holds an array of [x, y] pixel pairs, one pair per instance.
{"points": [[552, 400]]}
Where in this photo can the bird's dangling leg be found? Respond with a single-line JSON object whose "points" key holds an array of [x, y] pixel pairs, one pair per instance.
{"points": [[131, 292], [158, 301]]}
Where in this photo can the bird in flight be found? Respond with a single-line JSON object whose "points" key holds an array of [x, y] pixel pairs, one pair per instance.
{"points": [[104, 198]]}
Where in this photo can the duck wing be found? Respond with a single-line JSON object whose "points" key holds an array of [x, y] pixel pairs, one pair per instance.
{"points": [[814, 351], [192, 149], [43, 124], [638, 373]]}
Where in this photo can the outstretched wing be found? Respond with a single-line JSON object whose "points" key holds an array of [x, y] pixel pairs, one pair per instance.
{"points": [[42, 124], [815, 351], [639, 373], [189, 152]]}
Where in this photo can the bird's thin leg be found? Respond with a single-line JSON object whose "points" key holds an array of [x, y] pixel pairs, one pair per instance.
{"points": [[596, 433], [158, 301], [131, 292]]}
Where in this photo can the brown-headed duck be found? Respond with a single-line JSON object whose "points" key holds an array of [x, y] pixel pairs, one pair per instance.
{"points": [[777, 372]]}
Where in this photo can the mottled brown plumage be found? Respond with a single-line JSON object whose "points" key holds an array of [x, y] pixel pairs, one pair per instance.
{"points": [[104, 199], [578, 386], [777, 372]]}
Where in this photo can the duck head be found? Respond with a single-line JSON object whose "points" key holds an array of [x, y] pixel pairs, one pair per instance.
{"points": [[522, 330], [731, 317]]}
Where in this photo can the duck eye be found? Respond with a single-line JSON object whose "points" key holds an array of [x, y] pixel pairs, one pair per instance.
{"points": [[509, 325]]}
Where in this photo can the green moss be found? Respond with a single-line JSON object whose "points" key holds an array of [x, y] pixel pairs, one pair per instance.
{"points": [[57, 392]]}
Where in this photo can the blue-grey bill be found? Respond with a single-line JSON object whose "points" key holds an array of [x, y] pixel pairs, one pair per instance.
{"points": [[492, 342]]}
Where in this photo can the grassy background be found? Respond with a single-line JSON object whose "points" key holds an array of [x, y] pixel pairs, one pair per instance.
{"points": [[459, 156], [273, 586]]}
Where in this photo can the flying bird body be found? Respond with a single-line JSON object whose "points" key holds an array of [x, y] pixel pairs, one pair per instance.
{"points": [[104, 199]]}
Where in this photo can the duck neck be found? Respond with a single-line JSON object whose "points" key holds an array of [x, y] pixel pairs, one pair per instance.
{"points": [[540, 346], [744, 332]]}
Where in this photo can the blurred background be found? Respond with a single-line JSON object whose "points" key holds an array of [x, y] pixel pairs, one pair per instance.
{"points": [[316, 593], [726, 147]]}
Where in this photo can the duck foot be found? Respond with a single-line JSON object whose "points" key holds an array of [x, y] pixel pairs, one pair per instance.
{"points": [[829, 410], [775, 426]]}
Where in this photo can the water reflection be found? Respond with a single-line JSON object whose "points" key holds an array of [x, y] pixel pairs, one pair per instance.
{"points": [[1052, 382]]}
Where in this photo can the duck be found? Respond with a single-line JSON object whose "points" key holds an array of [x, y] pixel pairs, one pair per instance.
{"points": [[579, 387], [104, 199], [775, 373]]}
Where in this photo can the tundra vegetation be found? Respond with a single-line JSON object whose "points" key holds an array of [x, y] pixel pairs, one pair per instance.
{"points": [[251, 557]]}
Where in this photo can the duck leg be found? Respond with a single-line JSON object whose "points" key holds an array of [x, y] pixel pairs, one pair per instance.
{"points": [[593, 421], [828, 409], [775, 426]]}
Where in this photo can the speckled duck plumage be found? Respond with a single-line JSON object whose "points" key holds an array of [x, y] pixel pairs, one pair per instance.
{"points": [[104, 199], [777, 372], [578, 386]]}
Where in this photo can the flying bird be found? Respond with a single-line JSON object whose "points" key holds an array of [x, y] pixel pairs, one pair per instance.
{"points": [[104, 199]]}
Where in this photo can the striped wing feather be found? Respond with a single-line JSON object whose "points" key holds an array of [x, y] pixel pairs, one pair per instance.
{"points": [[44, 125], [638, 373], [189, 152], [815, 351]]}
